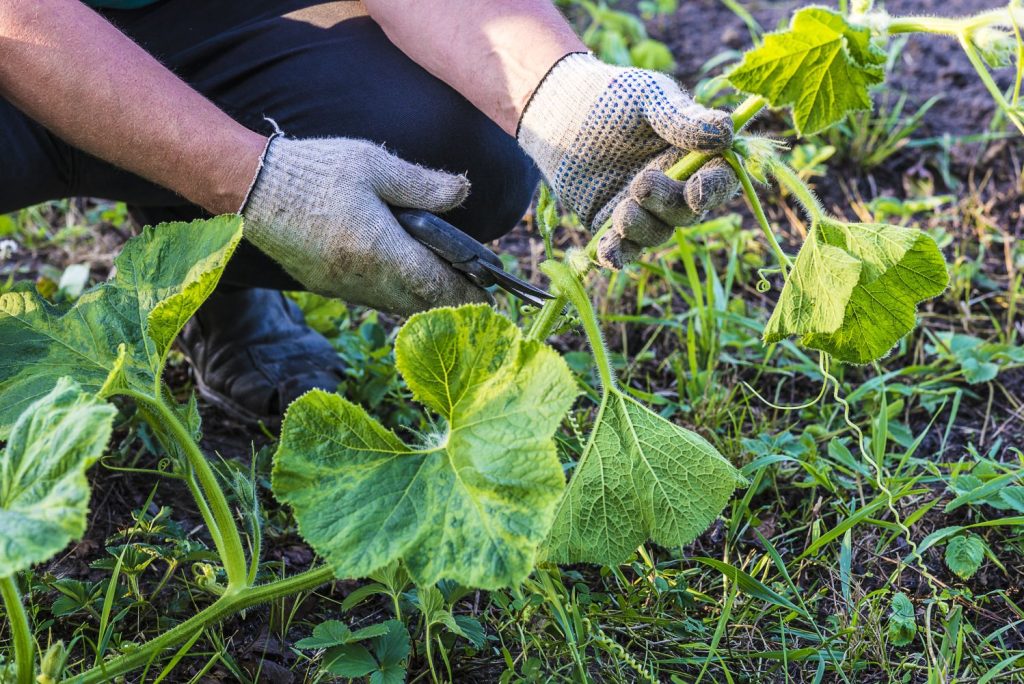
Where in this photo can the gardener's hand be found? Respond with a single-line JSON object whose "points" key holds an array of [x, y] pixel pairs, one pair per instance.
{"points": [[603, 136], [320, 208]]}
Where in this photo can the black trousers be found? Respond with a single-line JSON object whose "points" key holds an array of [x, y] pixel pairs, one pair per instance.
{"points": [[295, 62]]}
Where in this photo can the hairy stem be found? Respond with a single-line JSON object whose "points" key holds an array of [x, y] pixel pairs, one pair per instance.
{"points": [[21, 632], [231, 549], [215, 509], [790, 180], [571, 287], [988, 81], [1003, 16], [224, 607], [755, 205]]}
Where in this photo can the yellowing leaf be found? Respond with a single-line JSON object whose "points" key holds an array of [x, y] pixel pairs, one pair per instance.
{"points": [[470, 504], [854, 288], [44, 494], [821, 66], [116, 336]]}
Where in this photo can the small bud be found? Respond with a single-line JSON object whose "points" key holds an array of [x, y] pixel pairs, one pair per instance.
{"points": [[997, 46], [578, 262], [51, 669]]}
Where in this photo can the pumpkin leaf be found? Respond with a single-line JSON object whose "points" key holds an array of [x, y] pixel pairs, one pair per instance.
{"points": [[116, 336], [44, 494], [470, 503], [854, 288], [821, 67], [640, 477]]}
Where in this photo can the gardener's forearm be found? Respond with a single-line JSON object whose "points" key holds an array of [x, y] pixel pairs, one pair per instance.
{"points": [[494, 53], [72, 71]]}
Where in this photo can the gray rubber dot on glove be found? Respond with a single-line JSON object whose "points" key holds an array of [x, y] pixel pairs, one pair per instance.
{"points": [[713, 185]]}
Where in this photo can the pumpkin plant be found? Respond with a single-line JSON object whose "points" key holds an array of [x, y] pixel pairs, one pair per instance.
{"points": [[481, 499]]}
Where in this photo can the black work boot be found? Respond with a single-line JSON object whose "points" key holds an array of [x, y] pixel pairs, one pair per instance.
{"points": [[253, 354]]}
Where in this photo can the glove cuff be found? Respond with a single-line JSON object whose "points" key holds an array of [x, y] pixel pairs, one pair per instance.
{"points": [[559, 107], [291, 180]]}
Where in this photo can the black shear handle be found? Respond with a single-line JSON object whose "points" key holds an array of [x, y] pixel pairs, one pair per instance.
{"points": [[451, 244]]}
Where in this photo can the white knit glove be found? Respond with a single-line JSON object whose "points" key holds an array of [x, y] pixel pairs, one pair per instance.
{"points": [[319, 207], [603, 135]]}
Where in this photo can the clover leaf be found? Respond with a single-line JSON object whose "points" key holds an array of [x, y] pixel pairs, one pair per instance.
{"points": [[821, 66], [116, 336], [471, 503], [854, 288], [44, 494]]}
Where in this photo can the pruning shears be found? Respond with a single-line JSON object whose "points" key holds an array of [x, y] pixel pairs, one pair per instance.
{"points": [[479, 264]]}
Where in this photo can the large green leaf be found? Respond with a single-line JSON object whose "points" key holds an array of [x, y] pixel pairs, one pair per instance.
{"points": [[640, 477], [44, 494], [821, 66], [116, 335], [854, 288], [470, 503]]}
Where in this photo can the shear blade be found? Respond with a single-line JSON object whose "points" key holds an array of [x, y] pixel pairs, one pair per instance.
{"points": [[520, 288]]}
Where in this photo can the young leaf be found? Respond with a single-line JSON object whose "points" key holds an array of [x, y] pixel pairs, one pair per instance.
{"points": [[116, 336], [1013, 497], [902, 624], [44, 495], [471, 504], [821, 66], [854, 288], [391, 651], [964, 555]]}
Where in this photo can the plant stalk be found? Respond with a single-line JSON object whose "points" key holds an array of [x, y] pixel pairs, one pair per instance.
{"points": [[221, 525], [569, 286], [21, 631], [755, 205], [224, 607], [231, 550], [1003, 16], [988, 81], [789, 179]]}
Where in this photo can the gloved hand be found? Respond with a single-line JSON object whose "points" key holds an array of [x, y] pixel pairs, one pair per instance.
{"points": [[319, 207], [603, 135]]}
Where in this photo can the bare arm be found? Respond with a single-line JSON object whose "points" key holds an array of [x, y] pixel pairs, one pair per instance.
{"points": [[72, 71], [494, 53]]}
